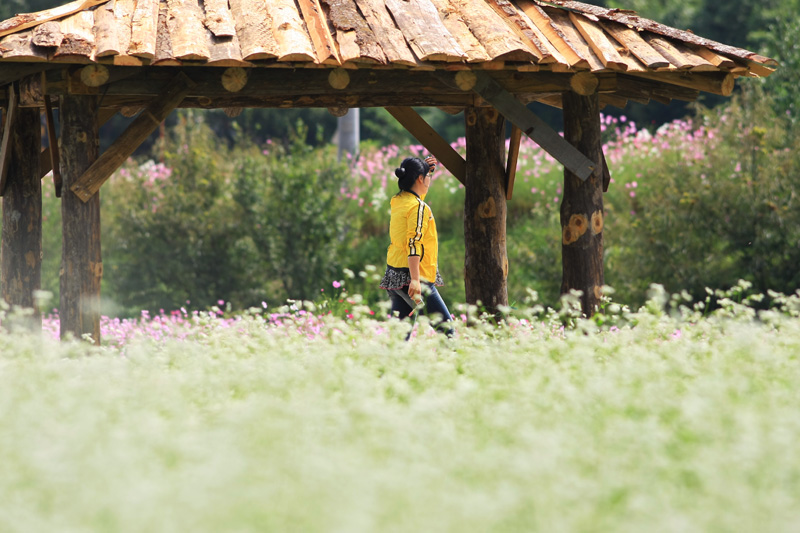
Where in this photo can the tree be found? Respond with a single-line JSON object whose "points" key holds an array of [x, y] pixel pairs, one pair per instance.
{"points": [[9, 8]]}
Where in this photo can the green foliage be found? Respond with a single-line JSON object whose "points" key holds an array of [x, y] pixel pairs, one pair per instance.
{"points": [[291, 199], [782, 40], [699, 204], [9, 8], [214, 223], [716, 203], [732, 23]]}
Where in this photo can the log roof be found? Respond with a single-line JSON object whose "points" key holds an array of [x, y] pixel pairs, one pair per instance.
{"points": [[503, 36], [520, 34]]}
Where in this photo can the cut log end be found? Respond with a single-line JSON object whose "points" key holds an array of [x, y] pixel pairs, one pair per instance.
{"points": [[584, 83], [130, 111], [726, 88], [234, 79], [338, 112], [466, 80], [339, 78], [94, 75]]}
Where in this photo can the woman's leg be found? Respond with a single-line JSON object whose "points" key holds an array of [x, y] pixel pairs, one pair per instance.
{"points": [[400, 307], [436, 309]]}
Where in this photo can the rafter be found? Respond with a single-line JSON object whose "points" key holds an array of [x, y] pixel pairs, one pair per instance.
{"points": [[89, 183], [431, 140]]}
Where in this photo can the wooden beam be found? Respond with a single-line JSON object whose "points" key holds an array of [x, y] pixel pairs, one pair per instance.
{"points": [[582, 214], [317, 24], [617, 101], [635, 88], [606, 173], [485, 257], [45, 159], [600, 44], [431, 140], [81, 260], [52, 141], [89, 183], [712, 82], [635, 45], [12, 72], [511, 164], [274, 83], [21, 256], [5, 147], [533, 126]]}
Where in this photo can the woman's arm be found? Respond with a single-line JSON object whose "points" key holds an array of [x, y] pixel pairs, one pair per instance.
{"points": [[414, 287]]}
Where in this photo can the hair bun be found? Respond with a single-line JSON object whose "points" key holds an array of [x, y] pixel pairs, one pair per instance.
{"points": [[400, 172]]}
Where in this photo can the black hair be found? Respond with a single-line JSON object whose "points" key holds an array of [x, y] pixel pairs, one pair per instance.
{"points": [[408, 172]]}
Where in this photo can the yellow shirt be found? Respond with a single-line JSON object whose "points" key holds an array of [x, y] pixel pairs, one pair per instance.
{"points": [[413, 232]]}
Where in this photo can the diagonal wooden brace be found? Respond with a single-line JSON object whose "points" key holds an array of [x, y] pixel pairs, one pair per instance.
{"points": [[5, 147], [52, 142], [511, 164], [532, 126], [46, 159], [140, 129], [432, 141]]}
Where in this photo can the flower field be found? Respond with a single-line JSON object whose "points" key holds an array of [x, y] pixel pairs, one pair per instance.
{"points": [[670, 418], [673, 409]]}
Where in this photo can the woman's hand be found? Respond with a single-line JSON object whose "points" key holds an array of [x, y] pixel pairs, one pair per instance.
{"points": [[415, 291], [432, 162]]}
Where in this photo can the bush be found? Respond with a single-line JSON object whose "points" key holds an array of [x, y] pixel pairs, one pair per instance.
{"points": [[210, 223], [707, 202]]}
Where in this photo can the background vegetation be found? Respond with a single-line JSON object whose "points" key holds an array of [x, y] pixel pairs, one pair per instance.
{"points": [[258, 209]]}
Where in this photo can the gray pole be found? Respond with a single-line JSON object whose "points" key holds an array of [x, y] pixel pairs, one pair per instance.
{"points": [[349, 133]]}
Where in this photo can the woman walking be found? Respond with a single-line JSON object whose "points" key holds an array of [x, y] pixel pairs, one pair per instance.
{"points": [[412, 270]]}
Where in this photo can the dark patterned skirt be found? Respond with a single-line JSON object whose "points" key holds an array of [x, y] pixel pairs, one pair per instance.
{"points": [[397, 278]]}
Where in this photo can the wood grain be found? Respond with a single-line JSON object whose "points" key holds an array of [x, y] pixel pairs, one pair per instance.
{"points": [[254, 29], [419, 22], [186, 31], [218, 18], [294, 43], [317, 25], [144, 23]]}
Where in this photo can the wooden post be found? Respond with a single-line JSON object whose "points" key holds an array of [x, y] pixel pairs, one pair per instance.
{"points": [[81, 263], [582, 205], [22, 217], [485, 262]]}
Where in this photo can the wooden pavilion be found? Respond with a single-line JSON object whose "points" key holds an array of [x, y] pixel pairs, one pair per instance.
{"points": [[90, 59]]}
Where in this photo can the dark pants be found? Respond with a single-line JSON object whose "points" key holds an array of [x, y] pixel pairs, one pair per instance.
{"points": [[434, 307]]}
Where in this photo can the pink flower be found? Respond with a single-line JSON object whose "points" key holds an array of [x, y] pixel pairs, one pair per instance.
{"points": [[336, 284]]}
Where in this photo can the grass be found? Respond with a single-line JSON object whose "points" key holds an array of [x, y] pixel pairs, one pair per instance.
{"points": [[664, 421]]}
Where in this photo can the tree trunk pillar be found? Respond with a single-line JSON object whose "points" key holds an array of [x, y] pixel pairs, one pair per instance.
{"points": [[22, 218], [582, 214], [81, 263], [485, 262]]}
